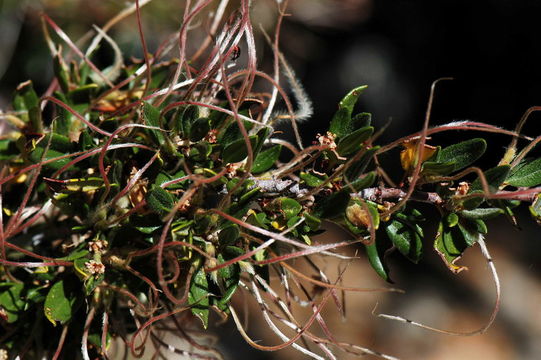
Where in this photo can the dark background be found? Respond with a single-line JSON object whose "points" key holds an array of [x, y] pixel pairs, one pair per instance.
{"points": [[493, 51]]}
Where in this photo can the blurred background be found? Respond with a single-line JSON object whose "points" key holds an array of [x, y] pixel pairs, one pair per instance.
{"points": [[398, 48]]}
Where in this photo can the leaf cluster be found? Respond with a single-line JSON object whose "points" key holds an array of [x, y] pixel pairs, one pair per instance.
{"points": [[138, 199]]}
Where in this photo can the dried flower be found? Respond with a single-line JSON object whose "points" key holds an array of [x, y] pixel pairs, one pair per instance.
{"points": [[94, 267]]}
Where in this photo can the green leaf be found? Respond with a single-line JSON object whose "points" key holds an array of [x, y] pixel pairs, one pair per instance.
{"points": [[236, 151], [160, 200], [361, 120], [200, 151], [481, 213], [375, 259], [26, 99], [61, 302], [200, 129], [313, 222], [494, 177], [83, 94], [289, 207], [232, 132], [462, 154], [61, 72], [164, 177], [75, 185], [363, 182], [13, 302], [198, 297], [8, 149], [312, 180], [407, 237], [58, 142], [342, 123], [230, 275], [535, 209], [151, 114], [229, 234], [525, 174], [36, 156], [147, 224], [266, 159], [451, 220], [433, 168], [258, 219], [249, 195], [450, 243], [184, 118], [262, 135], [353, 142]]}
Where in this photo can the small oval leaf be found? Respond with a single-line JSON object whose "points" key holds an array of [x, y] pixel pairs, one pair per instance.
{"points": [[407, 238], [160, 200], [481, 213], [266, 159], [462, 154], [61, 302], [374, 257], [342, 123], [236, 151], [198, 297], [526, 174], [352, 142]]}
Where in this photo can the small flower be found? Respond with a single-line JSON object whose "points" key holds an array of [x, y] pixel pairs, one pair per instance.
{"points": [[410, 156], [97, 246], [94, 267], [462, 188], [211, 136], [327, 139], [4, 355], [231, 169], [185, 206], [3, 316]]}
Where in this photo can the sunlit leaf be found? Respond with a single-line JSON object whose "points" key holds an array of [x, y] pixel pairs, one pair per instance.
{"points": [[290, 207], [481, 213], [342, 123], [266, 159], [451, 242], [198, 297], [61, 302], [462, 154], [526, 174], [375, 257], [406, 236], [353, 142], [312, 180], [12, 301], [26, 99]]}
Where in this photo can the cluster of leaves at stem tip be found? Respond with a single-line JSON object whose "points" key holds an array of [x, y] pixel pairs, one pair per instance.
{"points": [[140, 198]]}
